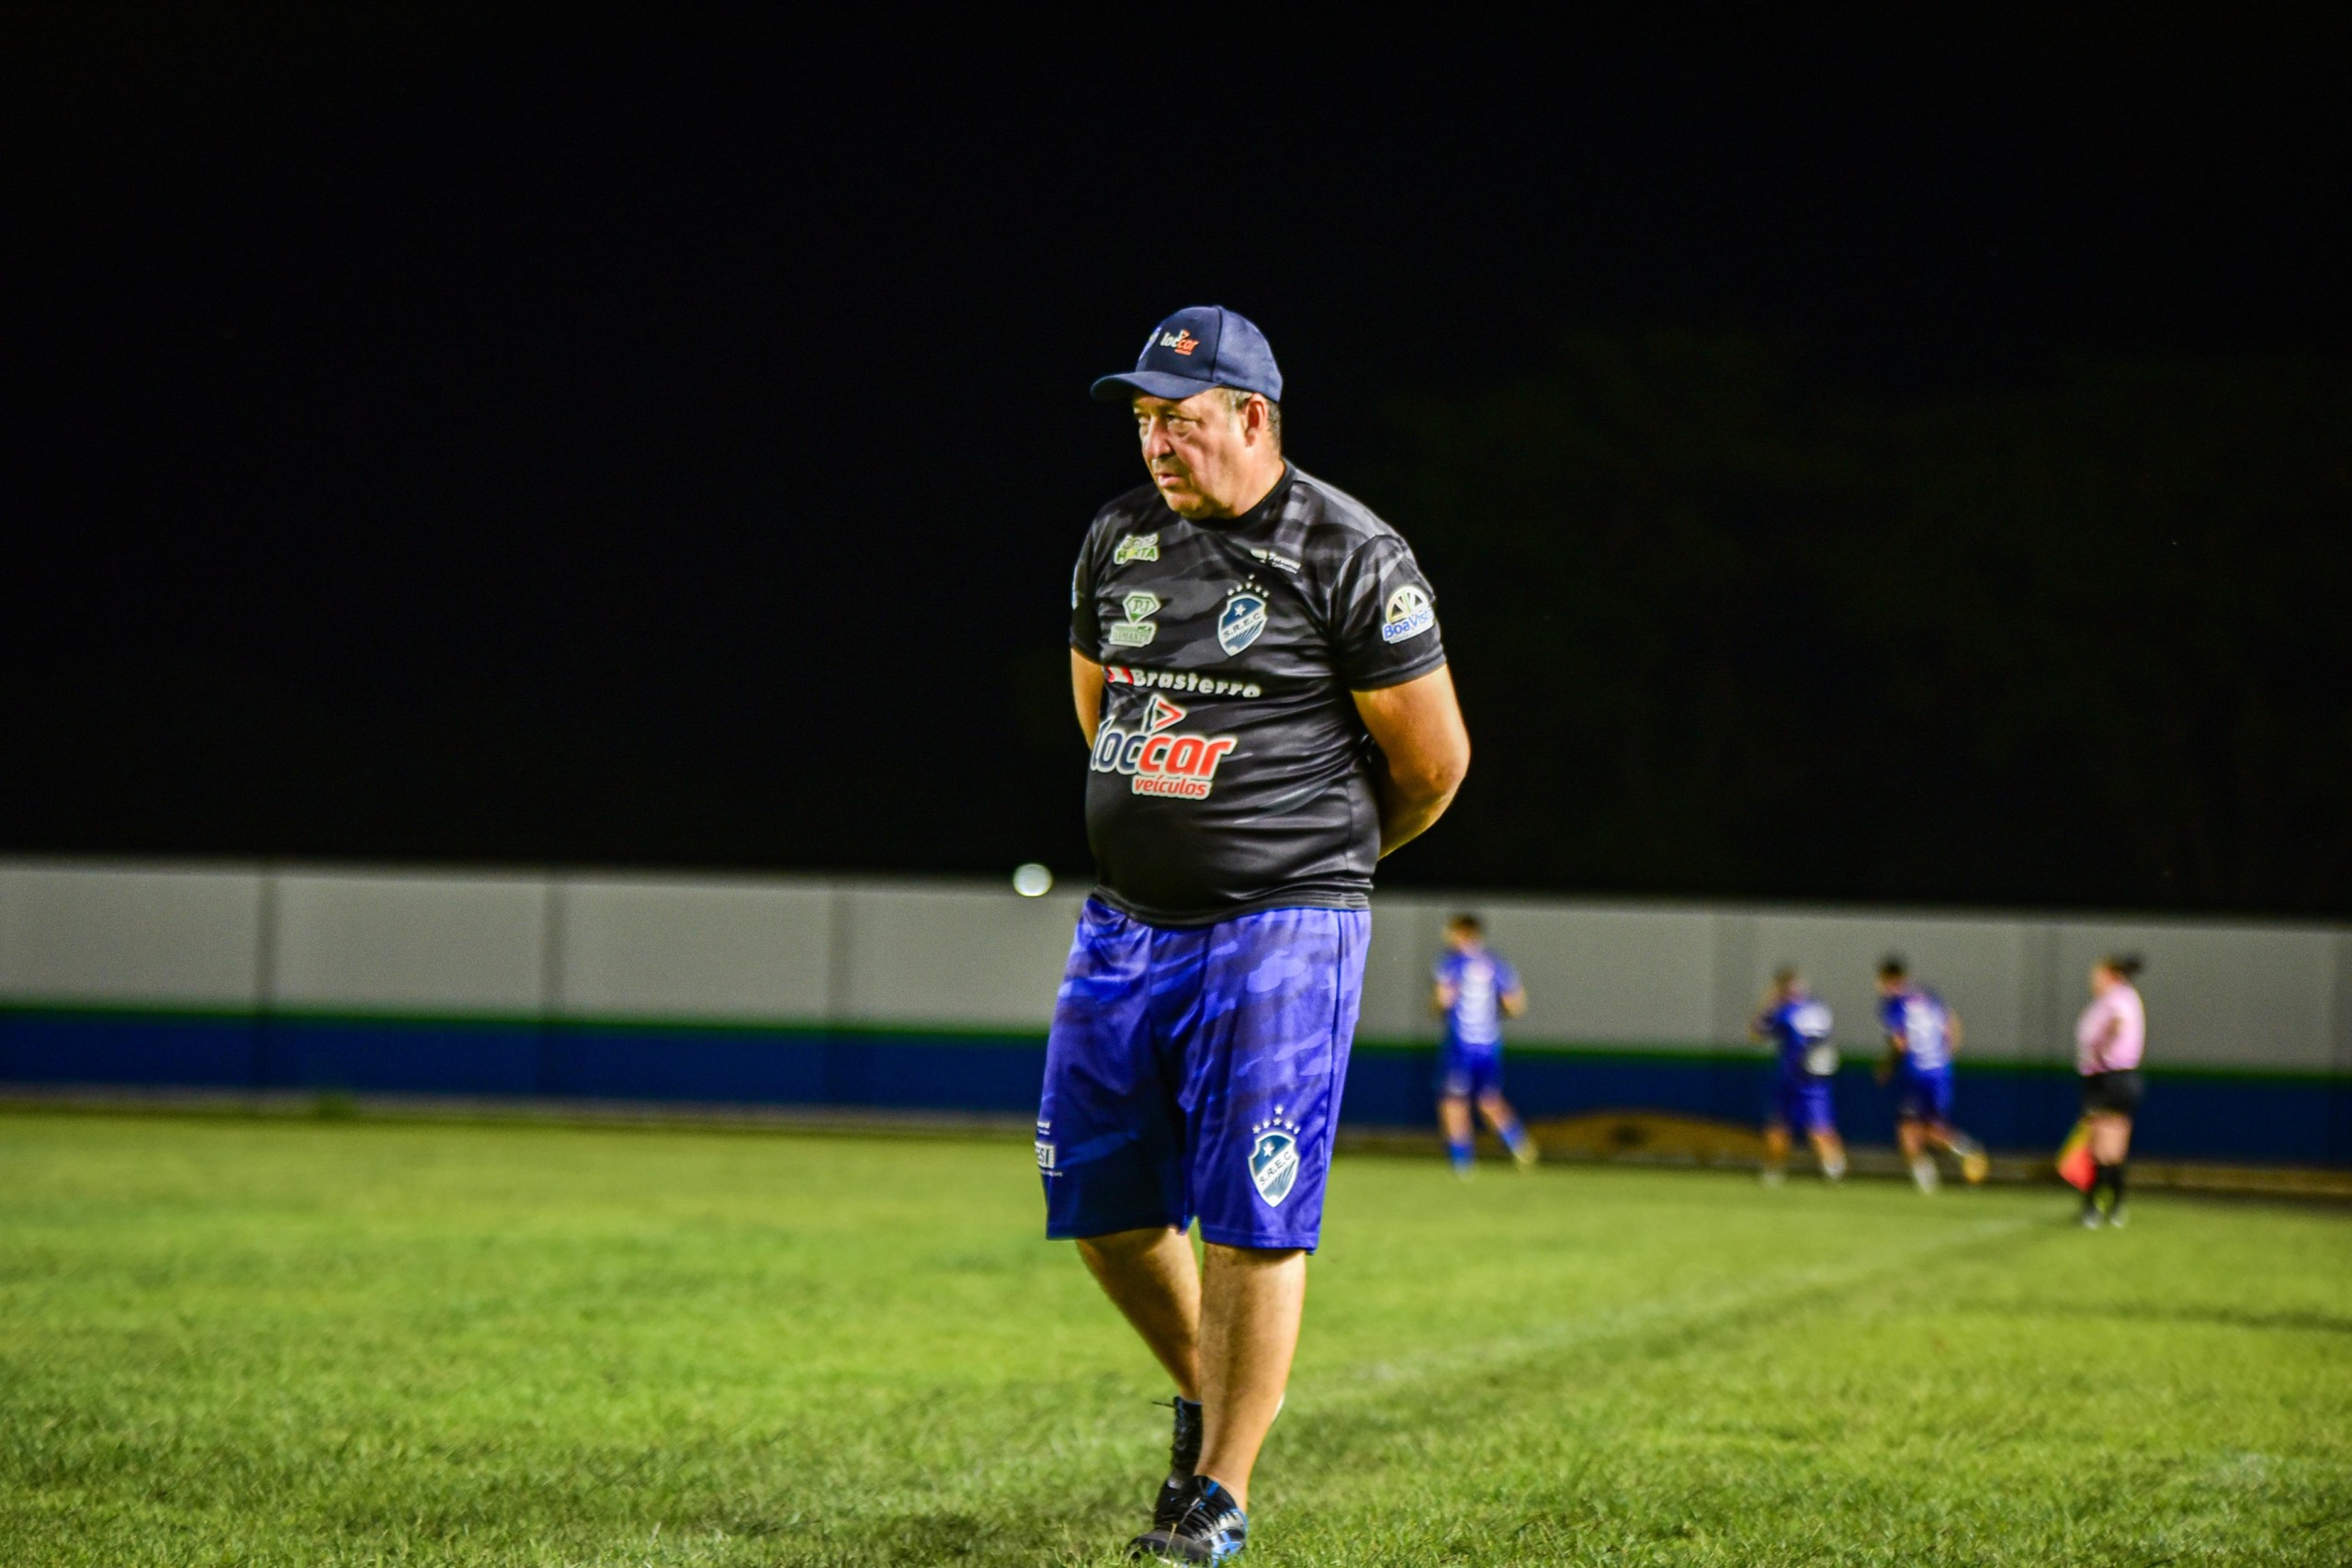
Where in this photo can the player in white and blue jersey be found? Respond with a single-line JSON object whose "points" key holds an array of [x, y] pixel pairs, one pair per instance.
{"points": [[1922, 1037], [1796, 1024], [1474, 989]]}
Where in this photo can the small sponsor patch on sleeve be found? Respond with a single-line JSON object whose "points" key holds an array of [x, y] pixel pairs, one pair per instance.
{"points": [[1409, 615]]}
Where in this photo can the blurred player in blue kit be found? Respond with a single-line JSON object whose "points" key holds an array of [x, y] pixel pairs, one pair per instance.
{"points": [[1922, 1037], [1796, 1024], [1476, 988]]}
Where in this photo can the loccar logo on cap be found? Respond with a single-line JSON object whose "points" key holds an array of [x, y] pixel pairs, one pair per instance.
{"points": [[1181, 341]]}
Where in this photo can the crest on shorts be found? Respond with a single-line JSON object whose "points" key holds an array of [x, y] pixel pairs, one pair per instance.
{"points": [[1274, 1157]]}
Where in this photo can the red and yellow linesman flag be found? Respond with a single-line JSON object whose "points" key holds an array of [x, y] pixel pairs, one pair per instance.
{"points": [[2076, 1166]]}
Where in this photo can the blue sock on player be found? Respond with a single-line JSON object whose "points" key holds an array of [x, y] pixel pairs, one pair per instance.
{"points": [[1459, 1152], [1514, 1137]]}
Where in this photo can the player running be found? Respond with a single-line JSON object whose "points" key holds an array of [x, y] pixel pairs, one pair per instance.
{"points": [[1922, 1037], [1476, 988], [1796, 1024], [1256, 667]]}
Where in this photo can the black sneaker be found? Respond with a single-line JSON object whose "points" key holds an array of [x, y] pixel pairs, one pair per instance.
{"points": [[1183, 1454], [1210, 1528]]}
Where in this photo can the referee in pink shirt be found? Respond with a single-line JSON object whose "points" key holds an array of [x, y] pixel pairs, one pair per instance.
{"points": [[2109, 1039]]}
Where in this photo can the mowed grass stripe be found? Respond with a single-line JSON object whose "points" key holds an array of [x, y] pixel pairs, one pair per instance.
{"points": [[356, 1343], [1674, 1317], [1897, 1397]]}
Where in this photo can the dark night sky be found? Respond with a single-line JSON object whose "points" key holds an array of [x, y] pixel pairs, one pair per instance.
{"points": [[665, 442]]}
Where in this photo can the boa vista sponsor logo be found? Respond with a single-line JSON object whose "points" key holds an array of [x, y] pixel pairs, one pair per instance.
{"points": [[1409, 615], [1155, 759]]}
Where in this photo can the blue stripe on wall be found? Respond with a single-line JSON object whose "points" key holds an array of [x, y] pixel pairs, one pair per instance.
{"points": [[2186, 1116], [193, 1053]]}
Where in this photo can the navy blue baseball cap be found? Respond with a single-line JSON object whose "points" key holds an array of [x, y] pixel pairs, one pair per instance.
{"points": [[1199, 347]]}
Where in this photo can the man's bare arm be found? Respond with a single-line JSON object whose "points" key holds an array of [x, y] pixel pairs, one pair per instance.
{"points": [[1086, 690], [1425, 752]]}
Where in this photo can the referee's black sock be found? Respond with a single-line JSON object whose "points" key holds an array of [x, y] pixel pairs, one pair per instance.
{"points": [[2115, 1185], [2099, 1174]]}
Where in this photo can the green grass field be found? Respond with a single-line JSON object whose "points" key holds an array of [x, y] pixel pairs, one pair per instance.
{"points": [[339, 1342]]}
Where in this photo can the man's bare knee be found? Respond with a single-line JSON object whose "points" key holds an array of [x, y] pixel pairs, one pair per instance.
{"points": [[1254, 1257], [1116, 1248]]}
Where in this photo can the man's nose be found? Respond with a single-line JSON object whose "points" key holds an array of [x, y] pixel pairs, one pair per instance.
{"points": [[1155, 440]]}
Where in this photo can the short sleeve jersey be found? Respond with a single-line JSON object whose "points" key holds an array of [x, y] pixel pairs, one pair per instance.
{"points": [[1231, 772], [2112, 1031], [1919, 1018], [1798, 1029], [1480, 981]]}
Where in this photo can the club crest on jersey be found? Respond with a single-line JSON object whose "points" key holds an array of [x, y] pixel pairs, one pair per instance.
{"points": [[1135, 546], [1274, 1157], [1409, 615], [1137, 630], [1244, 618], [1157, 762]]}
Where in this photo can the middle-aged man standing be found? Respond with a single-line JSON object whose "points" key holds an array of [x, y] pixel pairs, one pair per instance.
{"points": [[1256, 667]]}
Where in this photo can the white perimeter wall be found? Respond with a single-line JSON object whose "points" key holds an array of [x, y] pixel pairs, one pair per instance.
{"points": [[967, 955]]}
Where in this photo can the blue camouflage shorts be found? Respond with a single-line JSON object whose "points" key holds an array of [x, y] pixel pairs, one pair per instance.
{"points": [[1197, 1072]]}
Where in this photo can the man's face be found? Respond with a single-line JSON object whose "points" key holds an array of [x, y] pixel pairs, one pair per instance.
{"points": [[1461, 939], [1196, 450], [1889, 984]]}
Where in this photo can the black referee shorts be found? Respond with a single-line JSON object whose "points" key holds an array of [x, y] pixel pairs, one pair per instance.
{"points": [[2117, 1094]]}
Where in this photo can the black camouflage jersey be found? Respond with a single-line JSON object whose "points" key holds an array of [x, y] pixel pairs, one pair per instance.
{"points": [[1231, 772]]}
